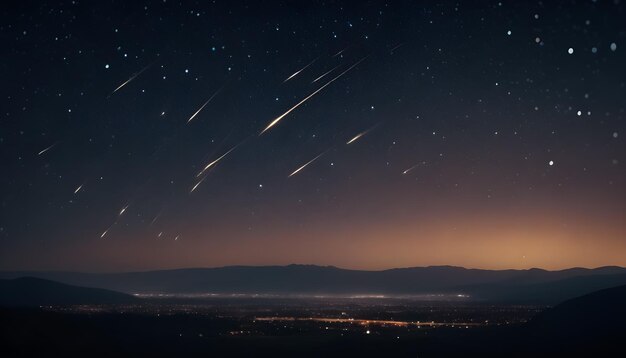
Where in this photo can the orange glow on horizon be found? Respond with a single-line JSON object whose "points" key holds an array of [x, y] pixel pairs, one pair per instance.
{"points": [[478, 241]]}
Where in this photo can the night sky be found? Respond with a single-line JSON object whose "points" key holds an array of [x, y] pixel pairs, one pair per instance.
{"points": [[163, 134]]}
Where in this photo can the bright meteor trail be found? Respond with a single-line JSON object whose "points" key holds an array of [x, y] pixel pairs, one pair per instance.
{"points": [[115, 222], [361, 134], [356, 137], [297, 72], [325, 73], [277, 119], [205, 103], [217, 160], [304, 166], [197, 185], [107, 230], [47, 149], [130, 79]]}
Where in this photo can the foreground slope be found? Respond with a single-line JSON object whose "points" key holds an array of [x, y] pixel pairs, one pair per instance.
{"points": [[601, 314], [30, 291]]}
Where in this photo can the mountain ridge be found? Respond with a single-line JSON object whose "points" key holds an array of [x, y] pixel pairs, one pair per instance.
{"points": [[523, 286], [323, 266]]}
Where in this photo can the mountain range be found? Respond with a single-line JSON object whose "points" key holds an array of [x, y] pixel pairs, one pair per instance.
{"points": [[520, 286]]}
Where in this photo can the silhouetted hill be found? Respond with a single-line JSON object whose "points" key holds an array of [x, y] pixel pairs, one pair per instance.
{"points": [[545, 292], [590, 325], [597, 313], [30, 291], [524, 286]]}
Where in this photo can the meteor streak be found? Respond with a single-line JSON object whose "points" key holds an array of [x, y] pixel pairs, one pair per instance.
{"points": [[340, 52], [302, 69], [47, 149], [413, 167], [361, 134], [408, 170], [106, 231], [356, 137], [156, 217], [123, 210], [205, 103], [78, 189], [130, 79], [217, 160], [277, 119], [397, 46], [197, 184], [304, 166], [325, 73]]}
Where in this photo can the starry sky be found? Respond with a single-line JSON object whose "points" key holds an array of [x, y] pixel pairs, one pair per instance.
{"points": [[140, 135]]}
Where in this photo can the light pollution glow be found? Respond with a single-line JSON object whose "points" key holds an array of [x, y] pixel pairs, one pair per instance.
{"points": [[483, 241]]}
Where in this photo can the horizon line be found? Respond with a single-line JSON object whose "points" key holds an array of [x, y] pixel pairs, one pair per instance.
{"points": [[300, 264]]}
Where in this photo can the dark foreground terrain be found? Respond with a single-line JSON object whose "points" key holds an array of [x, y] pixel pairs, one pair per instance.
{"points": [[591, 325]]}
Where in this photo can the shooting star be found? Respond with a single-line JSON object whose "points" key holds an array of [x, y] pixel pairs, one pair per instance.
{"points": [[197, 184], [129, 80], [78, 189], [304, 166], [397, 47], [47, 149], [205, 103], [156, 217], [361, 134], [277, 119], [219, 158], [115, 222], [325, 73], [106, 231], [123, 210], [340, 52], [356, 137], [406, 171], [302, 69]]}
